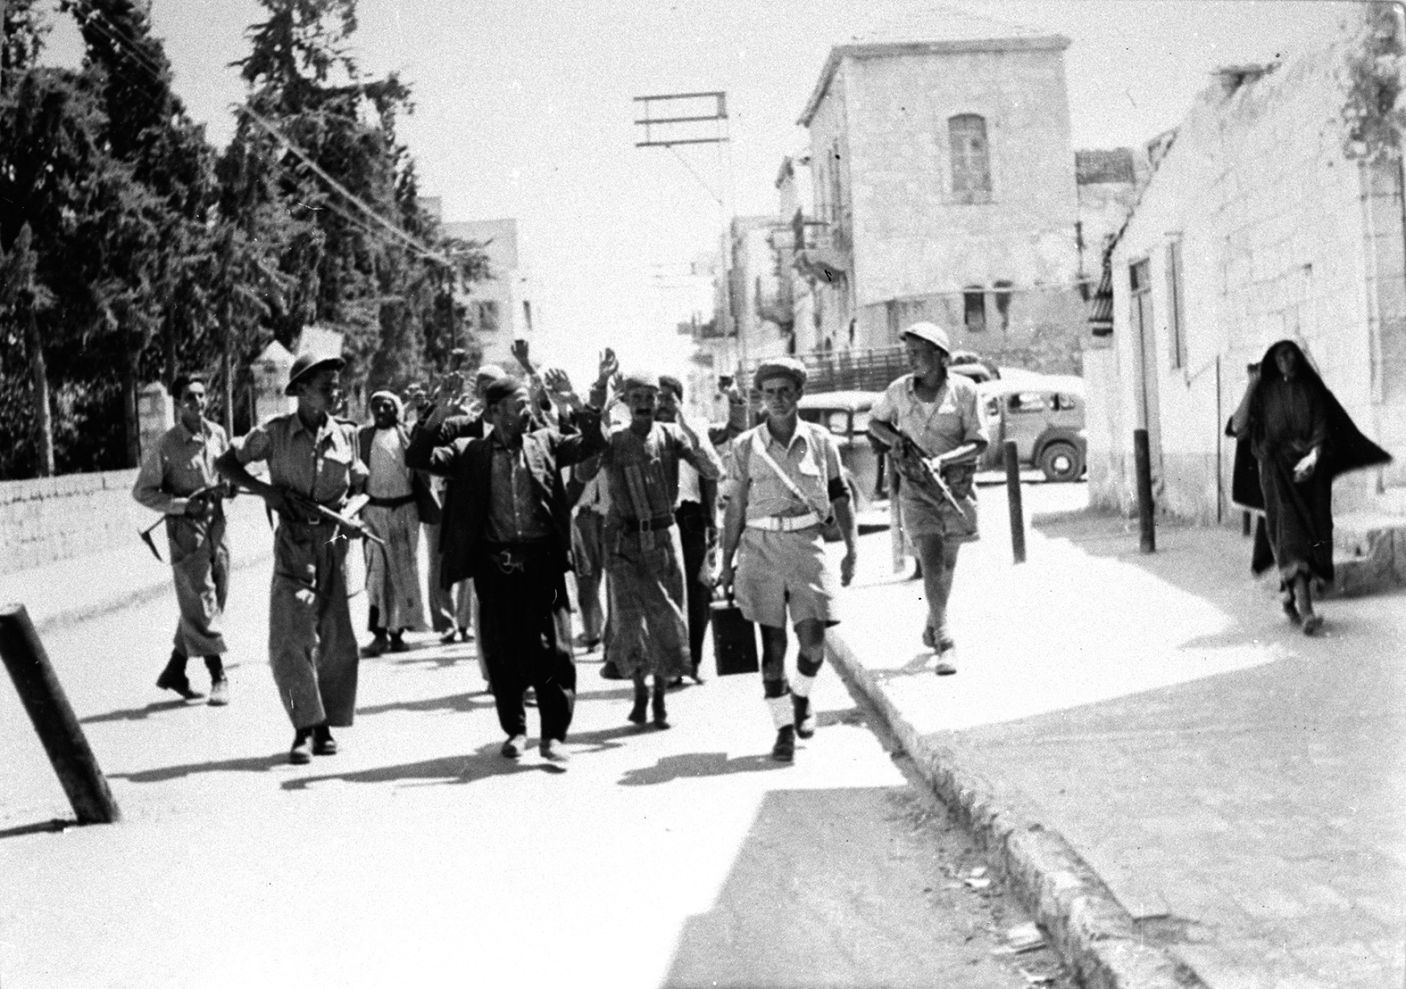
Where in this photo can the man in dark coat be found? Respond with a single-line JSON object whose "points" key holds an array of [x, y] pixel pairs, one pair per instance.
{"points": [[1294, 439], [511, 533]]}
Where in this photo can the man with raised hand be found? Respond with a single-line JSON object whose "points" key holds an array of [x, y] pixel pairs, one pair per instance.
{"points": [[511, 532]]}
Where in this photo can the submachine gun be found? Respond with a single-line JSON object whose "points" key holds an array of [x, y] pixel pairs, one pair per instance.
{"points": [[915, 464]]}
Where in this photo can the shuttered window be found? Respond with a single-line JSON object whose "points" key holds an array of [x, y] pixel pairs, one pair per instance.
{"points": [[971, 158]]}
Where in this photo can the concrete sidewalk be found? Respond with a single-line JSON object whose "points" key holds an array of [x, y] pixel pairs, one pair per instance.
{"points": [[73, 590], [1189, 789]]}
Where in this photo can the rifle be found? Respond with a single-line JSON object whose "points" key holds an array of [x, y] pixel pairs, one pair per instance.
{"points": [[929, 479], [346, 521], [145, 534]]}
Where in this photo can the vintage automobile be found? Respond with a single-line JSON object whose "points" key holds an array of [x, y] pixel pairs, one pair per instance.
{"points": [[1044, 414], [846, 415]]}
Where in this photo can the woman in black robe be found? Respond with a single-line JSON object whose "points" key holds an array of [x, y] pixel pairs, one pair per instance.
{"points": [[1294, 438]]}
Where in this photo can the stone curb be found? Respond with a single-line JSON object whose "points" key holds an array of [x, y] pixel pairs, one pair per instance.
{"points": [[1090, 929]]}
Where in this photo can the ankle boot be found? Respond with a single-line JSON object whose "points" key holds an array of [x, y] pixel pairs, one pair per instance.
{"points": [[173, 677], [322, 741], [661, 716], [637, 713]]}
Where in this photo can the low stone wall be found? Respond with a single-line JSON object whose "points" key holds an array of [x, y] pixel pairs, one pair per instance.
{"points": [[57, 518]]}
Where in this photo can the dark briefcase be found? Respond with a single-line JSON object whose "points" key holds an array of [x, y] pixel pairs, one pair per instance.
{"points": [[734, 639]]}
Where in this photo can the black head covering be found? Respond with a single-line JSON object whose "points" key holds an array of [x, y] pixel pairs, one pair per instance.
{"points": [[1346, 448]]}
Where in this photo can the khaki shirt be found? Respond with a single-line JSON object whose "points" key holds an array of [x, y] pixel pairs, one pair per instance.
{"points": [[950, 421], [811, 460], [323, 465], [178, 465]]}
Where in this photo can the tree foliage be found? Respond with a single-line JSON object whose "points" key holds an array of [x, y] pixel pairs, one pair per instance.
{"points": [[131, 248]]}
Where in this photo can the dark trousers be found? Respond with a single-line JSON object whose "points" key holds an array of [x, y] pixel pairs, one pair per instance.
{"points": [[525, 619], [693, 535]]}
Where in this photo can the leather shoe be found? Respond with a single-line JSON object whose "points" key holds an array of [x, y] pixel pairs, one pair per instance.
{"points": [[301, 752], [322, 741], [553, 752], [219, 692], [179, 682], [376, 646], [785, 748], [608, 671], [512, 748]]}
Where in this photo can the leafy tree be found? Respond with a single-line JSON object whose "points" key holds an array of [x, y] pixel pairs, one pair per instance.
{"points": [[74, 234], [157, 297], [321, 136]]}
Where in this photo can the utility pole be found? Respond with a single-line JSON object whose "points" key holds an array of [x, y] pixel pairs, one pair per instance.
{"points": [[670, 119]]}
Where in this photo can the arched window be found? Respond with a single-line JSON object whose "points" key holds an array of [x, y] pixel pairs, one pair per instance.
{"points": [[971, 158]]}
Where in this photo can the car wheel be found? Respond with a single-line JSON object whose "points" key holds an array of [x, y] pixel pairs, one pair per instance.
{"points": [[1061, 462]]}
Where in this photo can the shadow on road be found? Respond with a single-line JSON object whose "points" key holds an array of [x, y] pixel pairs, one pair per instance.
{"points": [[135, 713], [482, 763], [464, 703], [694, 765], [250, 764], [56, 825]]}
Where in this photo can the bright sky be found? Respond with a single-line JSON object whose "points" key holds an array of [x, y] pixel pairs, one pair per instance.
{"points": [[524, 109]]}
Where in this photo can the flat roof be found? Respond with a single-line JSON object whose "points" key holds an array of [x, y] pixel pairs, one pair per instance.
{"points": [[951, 46]]}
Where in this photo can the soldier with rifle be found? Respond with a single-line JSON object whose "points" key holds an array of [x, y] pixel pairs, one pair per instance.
{"points": [[931, 426], [313, 469], [178, 479]]}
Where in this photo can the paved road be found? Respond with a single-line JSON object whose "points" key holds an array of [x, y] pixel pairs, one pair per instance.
{"points": [[419, 856]]}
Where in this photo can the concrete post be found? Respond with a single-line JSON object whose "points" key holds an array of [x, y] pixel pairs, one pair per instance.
{"points": [[1012, 459], [53, 719]]}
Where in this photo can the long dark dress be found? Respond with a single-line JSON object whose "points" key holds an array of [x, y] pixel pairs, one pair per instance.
{"points": [[1287, 419], [1298, 515]]}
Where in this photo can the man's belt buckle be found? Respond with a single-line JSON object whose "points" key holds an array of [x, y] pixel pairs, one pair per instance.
{"points": [[506, 562]]}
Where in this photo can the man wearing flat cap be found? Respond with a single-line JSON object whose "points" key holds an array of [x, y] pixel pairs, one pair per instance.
{"points": [[785, 487], [938, 412], [648, 635], [312, 460], [508, 526]]}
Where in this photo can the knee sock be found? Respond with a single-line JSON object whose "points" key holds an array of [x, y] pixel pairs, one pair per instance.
{"points": [[216, 667]]}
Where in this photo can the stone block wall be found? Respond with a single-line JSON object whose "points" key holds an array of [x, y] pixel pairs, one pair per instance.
{"points": [[1274, 233], [57, 518]]}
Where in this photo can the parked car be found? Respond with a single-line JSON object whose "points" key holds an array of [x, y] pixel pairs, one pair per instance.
{"points": [[1044, 414], [846, 415]]}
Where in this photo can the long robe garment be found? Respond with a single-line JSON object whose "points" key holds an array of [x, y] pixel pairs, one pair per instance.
{"points": [[1287, 419]]}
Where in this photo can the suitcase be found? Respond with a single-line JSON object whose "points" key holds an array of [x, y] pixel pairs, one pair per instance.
{"points": [[734, 639]]}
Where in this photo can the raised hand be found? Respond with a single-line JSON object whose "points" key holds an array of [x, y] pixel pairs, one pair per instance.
{"points": [[557, 381], [609, 366], [519, 352]]}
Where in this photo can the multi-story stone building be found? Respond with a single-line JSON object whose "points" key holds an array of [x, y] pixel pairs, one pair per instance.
{"points": [[945, 187], [499, 308]]}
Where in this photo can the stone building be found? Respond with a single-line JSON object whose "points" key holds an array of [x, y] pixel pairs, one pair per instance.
{"points": [[945, 187], [499, 308], [1263, 220]]}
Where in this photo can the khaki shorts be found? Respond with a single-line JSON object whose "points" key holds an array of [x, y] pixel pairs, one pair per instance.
{"points": [[777, 571]]}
